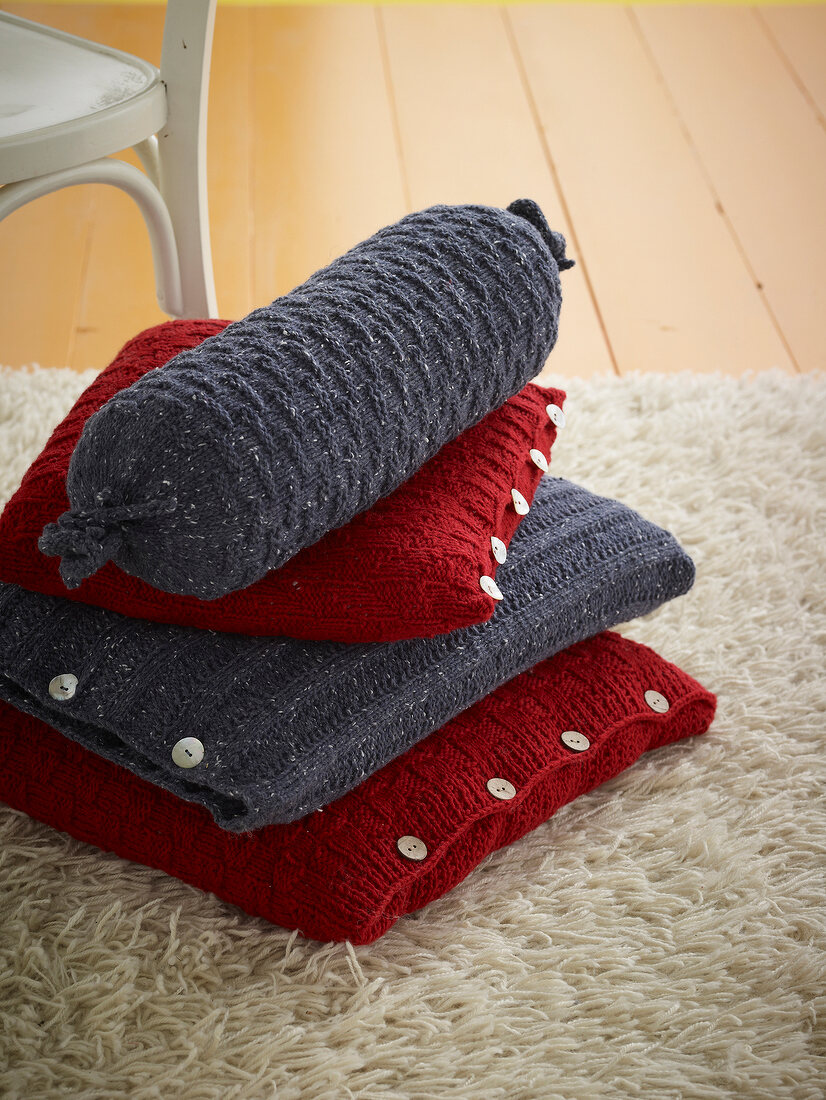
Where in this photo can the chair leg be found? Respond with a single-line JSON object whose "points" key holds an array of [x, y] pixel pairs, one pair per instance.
{"points": [[185, 60], [147, 150], [150, 202]]}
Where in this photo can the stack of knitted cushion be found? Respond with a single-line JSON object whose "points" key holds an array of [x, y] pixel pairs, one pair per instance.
{"points": [[315, 602]]}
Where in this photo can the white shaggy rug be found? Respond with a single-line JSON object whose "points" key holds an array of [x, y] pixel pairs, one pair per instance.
{"points": [[662, 938]]}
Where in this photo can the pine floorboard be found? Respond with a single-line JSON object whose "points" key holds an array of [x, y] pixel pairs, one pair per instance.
{"points": [[682, 150]]}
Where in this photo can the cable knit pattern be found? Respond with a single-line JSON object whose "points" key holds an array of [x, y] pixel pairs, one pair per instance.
{"points": [[291, 421], [288, 726], [340, 874], [430, 540]]}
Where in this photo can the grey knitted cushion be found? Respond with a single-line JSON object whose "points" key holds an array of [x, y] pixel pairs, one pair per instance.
{"points": [[219, 466], [288, 726]]}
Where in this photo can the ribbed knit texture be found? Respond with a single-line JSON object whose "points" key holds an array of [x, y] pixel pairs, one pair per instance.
{"points": [[338, 874], [207, 473], [288, 726], [428, 542]]}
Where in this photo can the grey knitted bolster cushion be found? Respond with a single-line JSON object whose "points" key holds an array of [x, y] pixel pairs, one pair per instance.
{"points": [[212, 470], [288, 726]]}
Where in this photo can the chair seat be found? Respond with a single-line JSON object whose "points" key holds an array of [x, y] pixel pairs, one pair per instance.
{"points": [[66, 101]]}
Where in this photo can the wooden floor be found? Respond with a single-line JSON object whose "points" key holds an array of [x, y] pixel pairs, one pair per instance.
{"points": [[682, 150]]}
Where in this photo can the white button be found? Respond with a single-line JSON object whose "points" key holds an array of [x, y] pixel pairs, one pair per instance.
{"points": [[188, 752], [556, 414], [500, 551], [63, 687], [520, 505], [489, 585], [538, 459], [657, 702], [412, 848], [575, 740], [500, 788]]}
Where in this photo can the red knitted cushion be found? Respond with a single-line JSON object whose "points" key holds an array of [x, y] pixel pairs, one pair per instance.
{"points": [[410, 567], [411, 831]]}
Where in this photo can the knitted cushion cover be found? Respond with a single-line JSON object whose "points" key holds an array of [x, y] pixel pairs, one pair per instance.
{"points": [[204, 475], [430, 540], [288, 726], [340, 874]]}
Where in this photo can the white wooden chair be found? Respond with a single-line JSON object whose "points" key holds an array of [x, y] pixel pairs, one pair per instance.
{"points": [[66, 104]]}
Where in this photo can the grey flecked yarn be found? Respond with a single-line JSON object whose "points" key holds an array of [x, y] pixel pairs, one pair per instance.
{"points": [[218, 467], [289, 726]]}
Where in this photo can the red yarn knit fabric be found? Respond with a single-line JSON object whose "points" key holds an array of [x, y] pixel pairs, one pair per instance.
{"points": [[485, 779], [409, 567]]}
